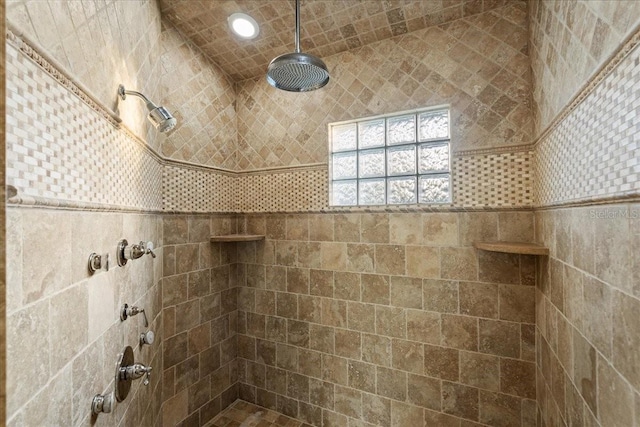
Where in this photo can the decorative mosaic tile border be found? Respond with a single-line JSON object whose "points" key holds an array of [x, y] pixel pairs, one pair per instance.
{"points": [[592, 153], [60, 147], [191, 189]]}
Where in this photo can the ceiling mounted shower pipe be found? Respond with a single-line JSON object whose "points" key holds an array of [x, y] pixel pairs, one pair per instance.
{"points": [[297, 71], [162, 119]]}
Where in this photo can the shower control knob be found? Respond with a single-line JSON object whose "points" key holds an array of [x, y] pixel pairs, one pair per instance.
{"points": [[147, 338], [102, 403]]}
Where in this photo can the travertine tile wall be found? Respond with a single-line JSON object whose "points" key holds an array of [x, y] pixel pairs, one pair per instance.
{"points": [[587, 303], [587, 327], [63, 327], [202, 98], [477, 64], [199, 304], [570, 40], [135, 49], [388, 319]]}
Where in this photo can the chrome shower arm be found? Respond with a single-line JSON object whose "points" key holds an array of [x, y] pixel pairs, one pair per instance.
{"points": [[297, 26], [123, 95]]}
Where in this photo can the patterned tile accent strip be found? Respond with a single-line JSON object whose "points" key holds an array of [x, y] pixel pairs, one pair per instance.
{"points": [[493, 180], [191, 189], [593, 152], [283, 191], [61, 147]]}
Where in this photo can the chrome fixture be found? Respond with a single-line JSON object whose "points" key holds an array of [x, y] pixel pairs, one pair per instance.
{"points": [[158, 116], [98, 262], [126, 371], [102, 403], [125, 252], [147, 338], [126, 312], [297, 71]]}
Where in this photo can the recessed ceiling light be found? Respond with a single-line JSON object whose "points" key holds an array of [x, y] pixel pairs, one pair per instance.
{"points": [[243, 25]]}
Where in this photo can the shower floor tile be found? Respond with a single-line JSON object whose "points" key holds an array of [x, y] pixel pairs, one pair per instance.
{"points": [[244, 414]]}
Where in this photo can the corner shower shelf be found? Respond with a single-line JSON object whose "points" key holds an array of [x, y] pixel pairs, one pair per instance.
{"points": [[237, 238], [522, 248]]}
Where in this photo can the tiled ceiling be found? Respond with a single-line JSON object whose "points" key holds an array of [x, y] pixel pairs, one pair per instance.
{"points": [[327, 26]]}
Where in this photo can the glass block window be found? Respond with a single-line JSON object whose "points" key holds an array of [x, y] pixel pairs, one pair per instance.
{"points": [[398, 159]]}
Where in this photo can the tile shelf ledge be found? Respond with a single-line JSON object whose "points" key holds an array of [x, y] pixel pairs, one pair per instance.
{"points": [[237, 238], [522, 248]]}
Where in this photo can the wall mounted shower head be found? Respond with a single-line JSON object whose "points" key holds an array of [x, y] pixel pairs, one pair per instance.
{"points": [[158, 116]]}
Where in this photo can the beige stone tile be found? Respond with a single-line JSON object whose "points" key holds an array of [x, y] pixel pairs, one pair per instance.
{"points": [[309, 255], [175, 230], [423, 326], [321, 227], [24, 356], [334, 313], [297, 227], [298, 280], [405, 415], [320, 283], [458, 264], [346, 227], [515, 226], [460, 400], [390, 259], [374, 228], [612, 249], [348, 344], [68, 338], [361, 317], [423, 262], [480, 370], [335, 369], [362, 376], [440, 296], [276, 227], [42, 273], [500, 410], [391, 383], [334, 256], [440, 229], [432, 418], [187, 258], [175, 409], [615, 397], [626, 337], [309, 308], [375, 288], [376, 349], [460, 332], [286, 253], [406, 292], [497, 267], [286, 305], [13, 241], [101, 305], [479, 299], [517, 303], [376, 409], [518, 378], [405, 228], [477, 226], [360, 257], [348, 401], [407, 356], [441, 362], [391, 321]]}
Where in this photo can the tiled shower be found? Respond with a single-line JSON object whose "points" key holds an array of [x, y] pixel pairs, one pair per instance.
{"points": [[369, 316]]}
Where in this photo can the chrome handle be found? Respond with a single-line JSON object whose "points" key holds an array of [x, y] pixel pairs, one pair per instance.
{"points": [[148, 248], [102, 403], [127, 311], [98, 262], [135, 371]]}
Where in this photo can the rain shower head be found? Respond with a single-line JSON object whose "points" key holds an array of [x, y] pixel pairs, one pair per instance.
{"points": [[297, 71], [158, 116]]}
